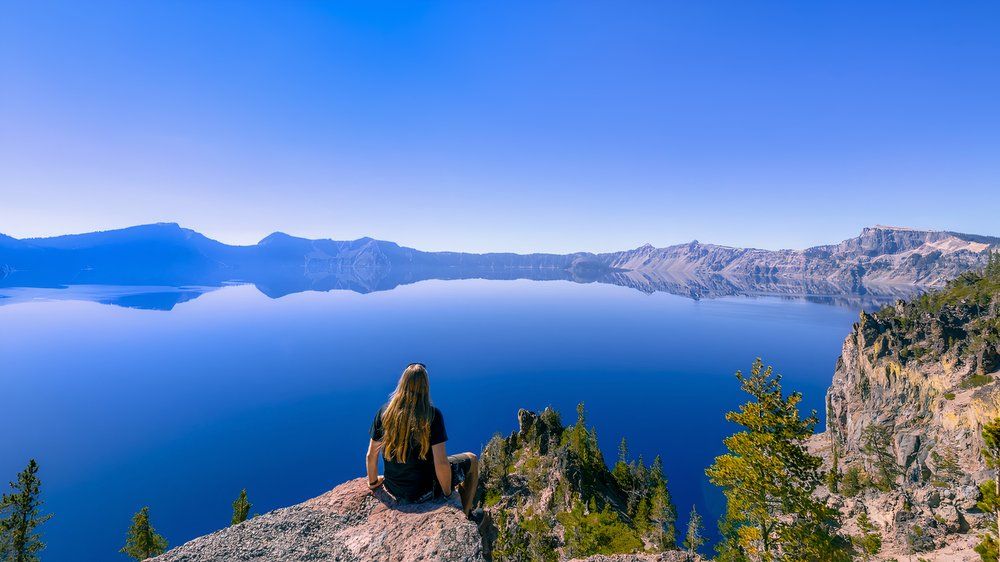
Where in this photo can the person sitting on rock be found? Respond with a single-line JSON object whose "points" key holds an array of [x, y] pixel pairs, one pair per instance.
{"points": [[409, 433]]}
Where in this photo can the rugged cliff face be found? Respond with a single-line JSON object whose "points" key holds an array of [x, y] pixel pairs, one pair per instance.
{"points": [[549, 495], [912, 388], [879, 256]]}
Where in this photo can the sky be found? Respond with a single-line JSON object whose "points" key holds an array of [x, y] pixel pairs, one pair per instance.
{"points": [[484, 126]]}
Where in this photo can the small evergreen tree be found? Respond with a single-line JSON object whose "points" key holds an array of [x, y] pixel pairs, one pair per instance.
{"points": [[241, 508], [662, 514], [621, 472], [833, 477], [869, 541], [990, 503], [876, 443], [694, 537], [142, 540], [20, 517], [853, 481], [768, 478]]}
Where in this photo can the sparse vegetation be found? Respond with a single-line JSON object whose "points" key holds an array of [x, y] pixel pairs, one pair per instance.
{"points": [[593, 510], [20, 517]]}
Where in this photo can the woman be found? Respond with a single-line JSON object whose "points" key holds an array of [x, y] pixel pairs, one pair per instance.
{"points": [[409, 432]]}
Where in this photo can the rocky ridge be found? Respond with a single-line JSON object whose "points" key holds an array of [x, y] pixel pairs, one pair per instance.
{"points": [[914, 385], [881, 260]]}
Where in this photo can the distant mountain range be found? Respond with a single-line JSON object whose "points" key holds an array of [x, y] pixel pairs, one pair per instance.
{"points": [[882, 260]]}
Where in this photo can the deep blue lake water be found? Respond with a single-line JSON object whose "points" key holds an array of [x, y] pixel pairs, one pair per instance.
{"points": [[180, 409]]}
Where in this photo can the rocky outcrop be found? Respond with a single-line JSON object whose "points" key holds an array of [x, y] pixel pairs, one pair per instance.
{"points": [[913, 386], [549, 495], [348, 523]]}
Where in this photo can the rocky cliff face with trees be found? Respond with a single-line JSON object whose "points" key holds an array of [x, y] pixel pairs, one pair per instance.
{"points": [[548, 494], [913, 388]]}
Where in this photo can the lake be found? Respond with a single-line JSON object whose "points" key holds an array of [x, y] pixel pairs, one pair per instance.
{"points": [[177, 399]]}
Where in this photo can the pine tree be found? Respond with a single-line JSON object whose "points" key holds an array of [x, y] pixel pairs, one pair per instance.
{"points": [[241, 508], [768, 479], [990, 502], [662, 515], [621, 472], [833, 477], [694, 538], [876, 443], [20, 516], [142, 540], [869, 542]]}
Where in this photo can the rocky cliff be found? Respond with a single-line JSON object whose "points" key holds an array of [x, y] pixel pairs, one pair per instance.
{"points": [[880, 255], [348, 523], [549, 495], [546, 494], [913, 386]]}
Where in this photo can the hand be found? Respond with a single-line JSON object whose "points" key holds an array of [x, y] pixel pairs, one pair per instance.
{"points": [[377, 484]]}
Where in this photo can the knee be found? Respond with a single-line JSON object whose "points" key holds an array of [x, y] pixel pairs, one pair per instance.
{"points": [[474, 460]]}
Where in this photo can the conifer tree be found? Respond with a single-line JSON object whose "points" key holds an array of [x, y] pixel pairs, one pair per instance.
{"points": [[621, 472], [694, 538], [990, 503], [833, 477], [876, 442], [869, 542], [20, 516], [663, 515], [768, 478], [241, 508], [142, 540]]}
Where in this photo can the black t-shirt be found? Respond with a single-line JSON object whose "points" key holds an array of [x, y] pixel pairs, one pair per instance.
{"points": [[411, 479]]}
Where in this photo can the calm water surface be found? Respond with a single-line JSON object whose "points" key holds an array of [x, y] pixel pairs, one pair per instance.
{"points": [[180, 409]]}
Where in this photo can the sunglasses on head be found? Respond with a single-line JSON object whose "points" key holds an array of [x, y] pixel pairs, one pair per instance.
{"points": [[417, 364]]}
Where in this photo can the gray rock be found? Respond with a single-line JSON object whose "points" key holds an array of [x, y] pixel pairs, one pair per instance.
{"points": [[348, 523]]}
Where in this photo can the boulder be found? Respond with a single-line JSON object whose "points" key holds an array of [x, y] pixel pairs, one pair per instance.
{"points": [[348, 523]]}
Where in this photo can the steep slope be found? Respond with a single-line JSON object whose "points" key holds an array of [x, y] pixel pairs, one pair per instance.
{"points": [[913, 386]]}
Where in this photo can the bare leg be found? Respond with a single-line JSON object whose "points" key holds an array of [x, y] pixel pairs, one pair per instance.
{"points": [[467, 489]]}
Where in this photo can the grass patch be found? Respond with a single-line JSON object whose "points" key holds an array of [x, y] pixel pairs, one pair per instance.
{"points": [[976, 381]]}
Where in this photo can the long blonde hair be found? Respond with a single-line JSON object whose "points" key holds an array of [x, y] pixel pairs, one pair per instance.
{"points": [[407, 419]]}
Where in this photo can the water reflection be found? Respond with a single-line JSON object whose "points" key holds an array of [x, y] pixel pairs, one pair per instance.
{"points": [[165, 291]]}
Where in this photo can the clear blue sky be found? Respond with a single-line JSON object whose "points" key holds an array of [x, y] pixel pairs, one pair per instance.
{"points": [[505, 125]]}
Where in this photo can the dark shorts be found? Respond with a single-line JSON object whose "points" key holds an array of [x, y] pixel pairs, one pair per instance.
{"points": [[460, 467]]}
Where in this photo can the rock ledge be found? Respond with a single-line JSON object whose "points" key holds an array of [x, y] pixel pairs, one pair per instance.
{"points": [[345, 524]]}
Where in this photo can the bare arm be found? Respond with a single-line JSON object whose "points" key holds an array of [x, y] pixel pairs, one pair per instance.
{"points": [[371, 463], [442, 468]]}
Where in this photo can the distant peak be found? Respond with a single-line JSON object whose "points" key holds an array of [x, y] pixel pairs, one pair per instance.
{"points": [[274, 236], [889, 227], [646, 247]]}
